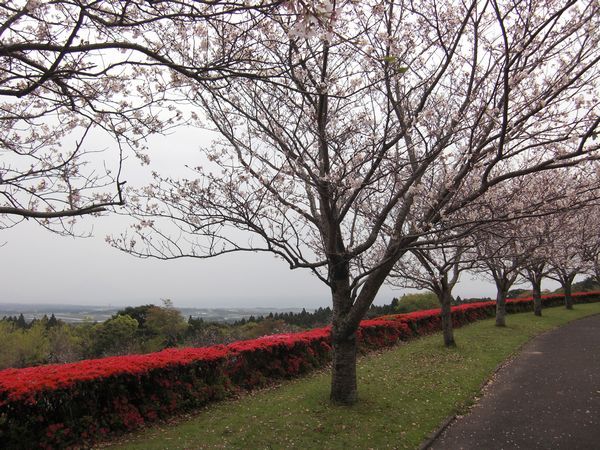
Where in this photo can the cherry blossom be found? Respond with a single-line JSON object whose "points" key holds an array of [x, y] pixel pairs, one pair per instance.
{"points": [[349, 135]]}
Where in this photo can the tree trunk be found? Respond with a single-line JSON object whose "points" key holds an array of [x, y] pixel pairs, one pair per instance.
{"points": [[446, 312], [501, 308], [568, 296], [343, 339], [343, 381], [537, 297], [347, 314]]}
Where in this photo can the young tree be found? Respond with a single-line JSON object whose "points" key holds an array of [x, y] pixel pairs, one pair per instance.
{"points": [[534, 270], [538, 236], [501, 256], [436, 269], [365, 125], [568, 260]]}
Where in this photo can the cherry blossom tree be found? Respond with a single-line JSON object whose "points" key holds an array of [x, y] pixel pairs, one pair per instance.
{"points": [[591, 241], [569, 257], [500, 257], [528, 226], [72, 73], [438, 270], [535, 266], [559, 240], [559, 246], [367, 124]]}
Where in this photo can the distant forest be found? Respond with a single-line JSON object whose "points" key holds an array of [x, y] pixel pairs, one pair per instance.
{"points": [[150, 328]]}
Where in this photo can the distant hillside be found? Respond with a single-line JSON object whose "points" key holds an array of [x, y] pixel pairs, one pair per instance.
{"points": [[515, 293], [587, 285]]}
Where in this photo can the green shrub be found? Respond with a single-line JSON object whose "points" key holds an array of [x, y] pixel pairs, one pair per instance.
{"points": [[417, 302]]}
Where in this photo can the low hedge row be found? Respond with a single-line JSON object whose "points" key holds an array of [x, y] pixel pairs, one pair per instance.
{"points": [[72, 405]]}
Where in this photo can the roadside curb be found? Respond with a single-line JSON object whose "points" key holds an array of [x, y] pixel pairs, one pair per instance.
{"points": [[436, 433]]}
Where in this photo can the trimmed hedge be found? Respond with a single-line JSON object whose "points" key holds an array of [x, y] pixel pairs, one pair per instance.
{"points": [[75, 404]]}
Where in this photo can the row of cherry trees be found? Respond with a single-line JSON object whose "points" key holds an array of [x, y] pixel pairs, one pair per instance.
{"points": [[348, 135], [558, 239]]}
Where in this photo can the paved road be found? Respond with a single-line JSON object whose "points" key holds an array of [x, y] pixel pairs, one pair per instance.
{"points": [[548, 397]]}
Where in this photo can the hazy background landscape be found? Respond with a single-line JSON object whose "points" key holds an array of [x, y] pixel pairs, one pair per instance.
{"points": [[41, 268], [81, 313]]}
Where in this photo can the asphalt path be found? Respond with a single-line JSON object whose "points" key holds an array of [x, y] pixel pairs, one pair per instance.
{"points": [[548, 397]]}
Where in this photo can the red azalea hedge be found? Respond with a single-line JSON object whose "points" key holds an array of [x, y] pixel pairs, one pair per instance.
{"points": [[74, 404]]}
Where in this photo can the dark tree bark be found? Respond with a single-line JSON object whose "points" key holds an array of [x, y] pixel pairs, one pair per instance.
{"points": [[566, 279], [534, 274], [443, 291], [567, 287], [501, 308], [343, 336], [504, 277], [503, 284], [446, 312], [348, 311], [537, 297], [343, 381]]}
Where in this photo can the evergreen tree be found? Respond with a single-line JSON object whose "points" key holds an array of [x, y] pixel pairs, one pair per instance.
{"points": [[52, 322], [21, 323]]}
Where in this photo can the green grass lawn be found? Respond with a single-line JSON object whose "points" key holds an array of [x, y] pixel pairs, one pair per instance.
{"points": [[405, 393]]}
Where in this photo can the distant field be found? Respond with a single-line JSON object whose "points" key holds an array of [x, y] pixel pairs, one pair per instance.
{"points": [[80, 313], [405, 393]]}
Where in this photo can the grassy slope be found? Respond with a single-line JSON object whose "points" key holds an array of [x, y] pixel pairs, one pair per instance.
{"points": [[405, 393]]}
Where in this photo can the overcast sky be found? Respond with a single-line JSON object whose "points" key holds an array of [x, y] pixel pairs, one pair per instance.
{"points": [[41, 267]]}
